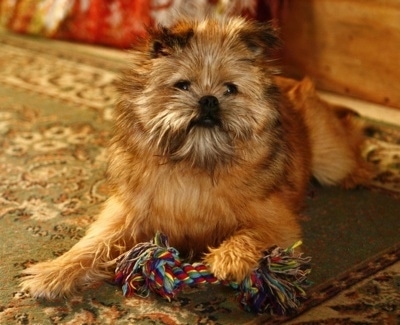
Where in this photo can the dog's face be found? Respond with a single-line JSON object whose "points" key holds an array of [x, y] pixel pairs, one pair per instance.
{"points": [[200, 91]]}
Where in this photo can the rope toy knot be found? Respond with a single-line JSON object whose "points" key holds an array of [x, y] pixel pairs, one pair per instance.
{"points": [[275, 287]]}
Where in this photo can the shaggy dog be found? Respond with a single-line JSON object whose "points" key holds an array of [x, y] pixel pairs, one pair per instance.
{"points": [[211, 148]]}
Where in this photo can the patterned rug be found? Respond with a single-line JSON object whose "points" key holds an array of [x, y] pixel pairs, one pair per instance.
{"points": [[56, 102]]}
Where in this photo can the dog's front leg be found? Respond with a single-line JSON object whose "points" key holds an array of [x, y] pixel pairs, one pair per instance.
{"points": [[88, 261], [267, 224], [235, 258]]}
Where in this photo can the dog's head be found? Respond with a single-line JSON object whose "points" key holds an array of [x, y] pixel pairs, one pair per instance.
{"points": [[200, 91]]}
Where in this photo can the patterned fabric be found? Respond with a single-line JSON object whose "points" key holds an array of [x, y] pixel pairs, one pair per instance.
{"points": [[56, 104], [384, 151], [113, 22]]}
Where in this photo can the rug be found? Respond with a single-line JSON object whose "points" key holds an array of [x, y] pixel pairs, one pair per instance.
{"points": [[56, 103]]}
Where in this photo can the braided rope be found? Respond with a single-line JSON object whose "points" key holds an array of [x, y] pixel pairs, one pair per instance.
{"points": [[156, 267], [275, 286]]}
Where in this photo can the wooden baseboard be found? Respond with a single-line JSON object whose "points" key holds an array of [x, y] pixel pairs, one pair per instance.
{"points": [[350, 47]]}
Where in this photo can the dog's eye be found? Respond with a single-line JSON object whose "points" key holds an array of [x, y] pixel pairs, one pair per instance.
{"points": [[231, 89], [182, 85]]}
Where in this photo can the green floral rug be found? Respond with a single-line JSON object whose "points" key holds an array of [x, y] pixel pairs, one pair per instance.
{"points": [[56, 103]]}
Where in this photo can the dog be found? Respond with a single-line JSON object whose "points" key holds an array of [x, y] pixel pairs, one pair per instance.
{"points": [[213, 148]]}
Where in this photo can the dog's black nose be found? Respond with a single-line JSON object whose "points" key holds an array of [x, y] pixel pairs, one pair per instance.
{"points": [[209, 104], [209, 112]]}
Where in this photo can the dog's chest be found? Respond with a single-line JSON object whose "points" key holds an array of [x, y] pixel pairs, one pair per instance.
{"points": [[191, 209], [184, 193], [189, 198]]}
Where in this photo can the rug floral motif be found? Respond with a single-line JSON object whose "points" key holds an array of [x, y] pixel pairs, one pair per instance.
{"points": [[55, 122]]}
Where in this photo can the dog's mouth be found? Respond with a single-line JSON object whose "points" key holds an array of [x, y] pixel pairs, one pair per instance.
{"points": [[209, 113], [204, 143], [206, 121]]}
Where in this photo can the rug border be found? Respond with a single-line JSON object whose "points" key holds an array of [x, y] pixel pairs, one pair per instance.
{"points": [[338, 284]]}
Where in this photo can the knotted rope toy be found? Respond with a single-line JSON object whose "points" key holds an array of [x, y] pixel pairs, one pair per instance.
{"points": [[277, 285]]}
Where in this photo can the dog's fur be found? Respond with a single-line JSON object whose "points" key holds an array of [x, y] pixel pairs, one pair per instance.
{"points": [[214, 150]]}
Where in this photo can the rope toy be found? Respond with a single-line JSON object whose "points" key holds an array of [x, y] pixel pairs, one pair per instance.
{"points": [[275, 287]]}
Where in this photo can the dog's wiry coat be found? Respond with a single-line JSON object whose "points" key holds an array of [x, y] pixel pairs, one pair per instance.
{"points": [[211, 148]]}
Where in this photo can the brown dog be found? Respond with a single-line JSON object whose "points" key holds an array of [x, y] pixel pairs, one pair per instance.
{"points": [[213, 150]]}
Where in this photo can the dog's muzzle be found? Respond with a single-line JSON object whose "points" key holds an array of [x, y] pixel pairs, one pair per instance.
{"points": [[209, 112]]}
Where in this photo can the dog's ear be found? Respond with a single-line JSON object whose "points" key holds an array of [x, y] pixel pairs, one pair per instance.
{"points": [[167, 40], [260, 38], [301, 91]]}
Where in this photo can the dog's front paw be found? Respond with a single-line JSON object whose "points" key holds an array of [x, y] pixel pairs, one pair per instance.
{"points": [[232, 261], [47, 280]]}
